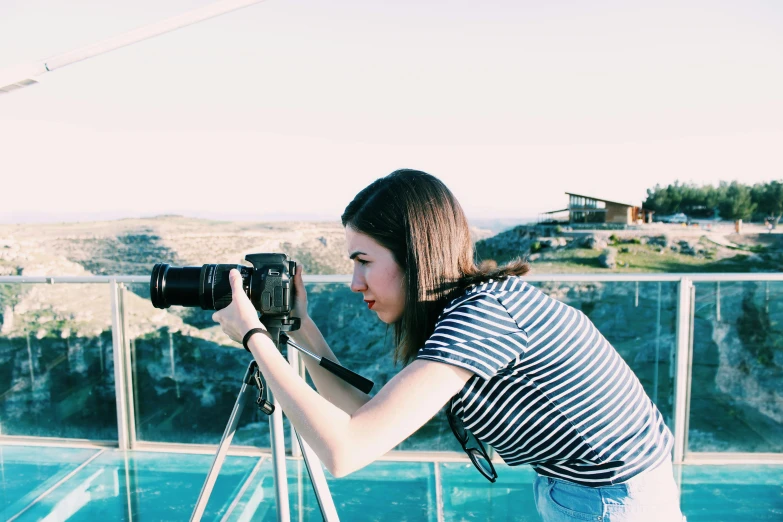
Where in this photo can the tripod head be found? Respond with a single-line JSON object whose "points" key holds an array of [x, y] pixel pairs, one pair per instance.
{"points": [[276, 325]]}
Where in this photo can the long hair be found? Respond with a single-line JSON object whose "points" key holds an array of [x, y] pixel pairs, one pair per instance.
{"points": [[419, 220]]}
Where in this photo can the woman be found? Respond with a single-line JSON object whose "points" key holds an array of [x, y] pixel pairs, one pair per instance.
{"points": [[521, 371]]}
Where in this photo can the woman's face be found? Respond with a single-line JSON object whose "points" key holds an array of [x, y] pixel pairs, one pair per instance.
{"points": [[376, 275]]}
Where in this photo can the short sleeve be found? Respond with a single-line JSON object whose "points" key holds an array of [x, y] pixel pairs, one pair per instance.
{"points": [[477, 334]]}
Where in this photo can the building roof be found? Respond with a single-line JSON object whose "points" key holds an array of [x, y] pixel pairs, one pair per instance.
{"points": [[604, 200]]}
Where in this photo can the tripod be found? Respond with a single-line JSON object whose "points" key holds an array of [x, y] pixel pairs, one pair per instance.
{"points": [[253, 380]]}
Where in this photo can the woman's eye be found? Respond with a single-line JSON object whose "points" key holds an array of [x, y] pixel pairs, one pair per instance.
{"points": [[362, 261]]}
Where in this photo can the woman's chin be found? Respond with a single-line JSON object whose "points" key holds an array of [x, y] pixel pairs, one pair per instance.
{"points": [[386, 318]]}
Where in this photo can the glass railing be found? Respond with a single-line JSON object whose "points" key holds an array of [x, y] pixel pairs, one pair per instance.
{"points": [[56, 361], [186, 375], [736, 400], [639, 318], [707, 349]]}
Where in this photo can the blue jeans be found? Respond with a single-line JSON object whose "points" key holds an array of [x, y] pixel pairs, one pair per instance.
{"points": [[651, 496]]}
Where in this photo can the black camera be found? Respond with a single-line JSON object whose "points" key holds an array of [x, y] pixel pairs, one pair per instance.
{"points": [[268, 284]]}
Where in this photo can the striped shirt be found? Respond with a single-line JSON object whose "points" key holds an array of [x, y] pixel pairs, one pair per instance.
{"points": [[549, 390]]}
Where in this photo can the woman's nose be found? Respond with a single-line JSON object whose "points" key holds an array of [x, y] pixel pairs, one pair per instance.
{"points": [[357, 282]]}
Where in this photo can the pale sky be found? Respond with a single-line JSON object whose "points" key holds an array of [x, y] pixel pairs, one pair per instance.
{"points": [[289, 107]]}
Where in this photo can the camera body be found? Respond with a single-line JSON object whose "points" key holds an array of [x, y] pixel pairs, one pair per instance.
{"points": [[268, 283]]}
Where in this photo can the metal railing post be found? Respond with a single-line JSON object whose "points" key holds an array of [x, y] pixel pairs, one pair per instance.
{"points": [[293, 360], [717, 301], [120, 388], [685, 294], [439, 511], [130, 402]]}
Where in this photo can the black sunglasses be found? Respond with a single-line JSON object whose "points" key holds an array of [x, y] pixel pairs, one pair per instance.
{"points": [[472, 446]]}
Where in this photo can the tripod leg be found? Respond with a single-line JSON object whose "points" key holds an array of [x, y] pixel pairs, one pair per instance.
{"points": [[277, 439], [317, 477], [246, 393]]}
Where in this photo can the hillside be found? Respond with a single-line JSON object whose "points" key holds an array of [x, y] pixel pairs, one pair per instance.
{"points": [[132, 246], [659, 248]]}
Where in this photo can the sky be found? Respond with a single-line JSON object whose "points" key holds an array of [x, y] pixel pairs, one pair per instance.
{"points": [[287, 108]]}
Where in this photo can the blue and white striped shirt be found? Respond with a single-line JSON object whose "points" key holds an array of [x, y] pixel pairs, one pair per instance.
{"points": [[549, 390]]}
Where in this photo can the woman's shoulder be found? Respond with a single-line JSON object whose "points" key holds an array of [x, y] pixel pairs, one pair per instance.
{"points": [[496, 287], [490, 291]]}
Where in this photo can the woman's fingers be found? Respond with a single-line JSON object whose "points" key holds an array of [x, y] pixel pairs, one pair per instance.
{"points": [[236, 281], [240, 316], [300, 301], [238, 294]]}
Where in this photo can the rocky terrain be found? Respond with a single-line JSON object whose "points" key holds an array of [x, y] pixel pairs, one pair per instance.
{"points": [[132, 246], [658, 248]]}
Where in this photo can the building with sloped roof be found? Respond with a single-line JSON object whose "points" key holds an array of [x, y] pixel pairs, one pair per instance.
{"points": [[588, 209]]}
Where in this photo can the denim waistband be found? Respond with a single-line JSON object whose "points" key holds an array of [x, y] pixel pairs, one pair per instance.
{"points": [[661, 473]]}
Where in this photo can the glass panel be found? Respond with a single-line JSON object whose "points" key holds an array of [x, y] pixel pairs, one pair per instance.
{"points": [[187, 375], [29, 472], [127, 486], [737, 380], [640, 320], [56, 361], [380, 491], [467, 495], [729, 493]]}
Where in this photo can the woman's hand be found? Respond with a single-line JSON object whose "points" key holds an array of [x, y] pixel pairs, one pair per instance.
{"points": [[300, 302], [240, 316]]}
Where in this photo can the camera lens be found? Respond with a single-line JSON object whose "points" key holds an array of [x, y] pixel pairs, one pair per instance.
{"points": [[216, 287], [206, 286], [171, 285]]}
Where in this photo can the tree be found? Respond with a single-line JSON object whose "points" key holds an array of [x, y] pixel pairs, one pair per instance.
{"points": [[771, 201], [697, 201], [665, 200], [733, 200], [736, 202], [711, 199]]}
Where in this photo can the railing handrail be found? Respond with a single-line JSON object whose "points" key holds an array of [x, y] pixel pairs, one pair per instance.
{"points": [[346, 278]]}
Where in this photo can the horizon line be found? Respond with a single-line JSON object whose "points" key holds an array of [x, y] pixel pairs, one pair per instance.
{"points": [[40, 218]]}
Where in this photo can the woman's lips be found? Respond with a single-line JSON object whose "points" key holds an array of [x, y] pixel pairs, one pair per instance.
{"points": [[370, 304]]}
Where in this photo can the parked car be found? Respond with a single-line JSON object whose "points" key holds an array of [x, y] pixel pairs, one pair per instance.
{"points": [[674, 218]]}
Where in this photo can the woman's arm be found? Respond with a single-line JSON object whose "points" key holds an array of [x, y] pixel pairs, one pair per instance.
{"points": [[334, 389], [345, 442]]}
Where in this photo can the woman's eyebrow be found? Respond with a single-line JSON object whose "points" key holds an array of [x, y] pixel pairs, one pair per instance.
{"points": [[357, 253]]}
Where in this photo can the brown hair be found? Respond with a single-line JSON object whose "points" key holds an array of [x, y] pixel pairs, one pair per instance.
{"points": [[419, 220]]}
